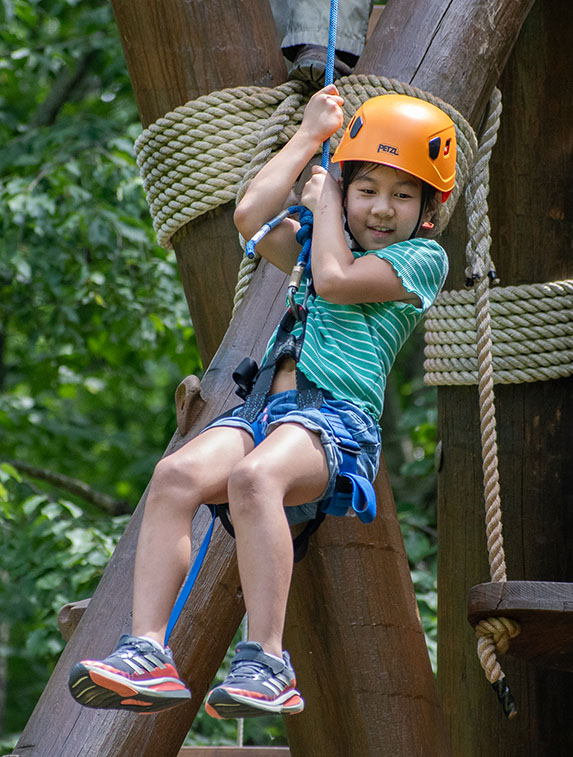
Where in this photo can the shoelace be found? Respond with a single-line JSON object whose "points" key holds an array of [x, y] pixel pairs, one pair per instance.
{"points": [[248, 669]]}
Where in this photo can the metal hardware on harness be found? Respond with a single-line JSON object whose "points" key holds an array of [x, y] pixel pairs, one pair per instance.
{"points": [[244, 377], [293, 287]]}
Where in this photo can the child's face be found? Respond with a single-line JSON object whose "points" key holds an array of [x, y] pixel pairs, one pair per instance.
{"points": [[382, 206]]}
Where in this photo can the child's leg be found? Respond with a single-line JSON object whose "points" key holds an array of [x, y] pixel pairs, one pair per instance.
{"points": [[288, 468], [195, 474], [140, 674]]}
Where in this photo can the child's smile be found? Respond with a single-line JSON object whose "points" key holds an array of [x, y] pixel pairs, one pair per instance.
{"points": [[383, 207]]}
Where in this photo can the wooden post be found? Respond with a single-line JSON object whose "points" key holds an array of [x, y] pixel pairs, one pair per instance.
{"points": [[530, 210], [176, 51]]}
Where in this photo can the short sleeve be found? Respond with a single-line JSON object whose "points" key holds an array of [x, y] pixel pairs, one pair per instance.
{"points": [[421, 264]]}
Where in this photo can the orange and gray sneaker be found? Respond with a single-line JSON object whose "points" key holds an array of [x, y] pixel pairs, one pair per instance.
{"points": [[258, 684], [139, 676]]}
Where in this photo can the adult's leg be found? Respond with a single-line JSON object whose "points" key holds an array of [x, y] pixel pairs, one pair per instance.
{"points": [[288, 468], [305, 22], [195, 474]]}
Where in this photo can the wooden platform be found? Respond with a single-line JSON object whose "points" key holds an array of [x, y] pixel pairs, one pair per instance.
{"points": [[234, 751], [544, 610]]}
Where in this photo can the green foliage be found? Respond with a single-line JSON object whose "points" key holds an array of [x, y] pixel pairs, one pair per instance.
{"points": [[94, 329], [93, 324], [51, 552]]}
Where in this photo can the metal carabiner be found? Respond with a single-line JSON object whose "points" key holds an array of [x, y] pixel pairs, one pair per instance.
{"points": [[293, 287]]}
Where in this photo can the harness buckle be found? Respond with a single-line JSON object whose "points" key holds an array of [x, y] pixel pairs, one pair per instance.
{"points": [[244, 377]]}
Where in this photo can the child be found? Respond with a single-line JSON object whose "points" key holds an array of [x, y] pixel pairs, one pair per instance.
{"points": [[372, 283]]}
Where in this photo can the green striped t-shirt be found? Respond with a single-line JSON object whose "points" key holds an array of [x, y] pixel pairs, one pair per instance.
{"points": [[349, 349]]}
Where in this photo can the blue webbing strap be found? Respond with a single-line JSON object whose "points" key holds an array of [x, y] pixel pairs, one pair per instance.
{"points": [[190, 580], [359, 493]]}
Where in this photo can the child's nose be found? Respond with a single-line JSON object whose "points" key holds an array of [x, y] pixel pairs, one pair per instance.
{"points": [[382, 206]]}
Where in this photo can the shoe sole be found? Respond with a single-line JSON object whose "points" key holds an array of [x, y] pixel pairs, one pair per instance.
{"points": [[233, 703], [91, 686]]}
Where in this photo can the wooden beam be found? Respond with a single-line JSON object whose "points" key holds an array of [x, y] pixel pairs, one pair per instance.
{"points": [[232, 751], [455, 49], [176, 51], [530, 210]]}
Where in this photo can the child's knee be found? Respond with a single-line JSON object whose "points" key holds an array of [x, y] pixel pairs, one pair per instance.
{"points": [[173, 474], [247, 482]]}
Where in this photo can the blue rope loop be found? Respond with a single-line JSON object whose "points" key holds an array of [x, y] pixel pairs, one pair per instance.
{"points": [[304, 236]]}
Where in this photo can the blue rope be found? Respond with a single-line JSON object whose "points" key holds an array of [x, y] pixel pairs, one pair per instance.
{"points": [[190, 580], [329, 73], [304, 235]]}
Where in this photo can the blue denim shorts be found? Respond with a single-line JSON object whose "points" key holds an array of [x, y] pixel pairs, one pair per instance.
{"points": [[283, 408]]}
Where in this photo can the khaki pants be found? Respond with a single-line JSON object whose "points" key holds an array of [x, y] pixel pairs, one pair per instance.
{"points": [[302, 22]]}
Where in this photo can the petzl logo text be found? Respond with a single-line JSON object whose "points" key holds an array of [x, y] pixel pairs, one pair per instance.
{"points": [[388, 148]]}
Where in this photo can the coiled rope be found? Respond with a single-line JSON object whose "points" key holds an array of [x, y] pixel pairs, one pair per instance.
{"points": [[204, 153]]}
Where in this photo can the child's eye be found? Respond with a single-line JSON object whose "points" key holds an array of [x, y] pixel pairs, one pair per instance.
{"points": [[403, 195]]}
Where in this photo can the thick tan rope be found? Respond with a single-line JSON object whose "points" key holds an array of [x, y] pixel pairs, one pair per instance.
{"points": [[195, 158], [532, 335], [493, 634]]}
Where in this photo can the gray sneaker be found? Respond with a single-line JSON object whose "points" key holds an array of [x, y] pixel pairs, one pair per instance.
{"points": [[258, 684], [139, 676]]}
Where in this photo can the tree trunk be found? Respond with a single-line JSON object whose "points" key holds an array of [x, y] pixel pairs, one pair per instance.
{"points": [[530, 204], [176, 51]]}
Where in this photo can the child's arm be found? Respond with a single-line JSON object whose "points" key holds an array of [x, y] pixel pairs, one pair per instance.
{"points": [[269, 191], [337, 275]]}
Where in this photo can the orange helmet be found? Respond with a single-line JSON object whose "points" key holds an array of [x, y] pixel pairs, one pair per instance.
{"points": [[406, 133]]}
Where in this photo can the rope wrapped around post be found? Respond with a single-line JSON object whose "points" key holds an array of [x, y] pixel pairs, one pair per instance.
{"points": [[204, 153]]}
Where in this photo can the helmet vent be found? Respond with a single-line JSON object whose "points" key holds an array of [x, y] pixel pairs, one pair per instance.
{"points": [[434, 147], [357, 124]]}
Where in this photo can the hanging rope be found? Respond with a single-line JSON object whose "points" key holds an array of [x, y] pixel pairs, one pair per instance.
{"points": [[493, 634]]}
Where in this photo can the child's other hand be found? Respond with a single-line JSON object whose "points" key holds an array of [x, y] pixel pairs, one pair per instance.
{"points": [[323, 114], [321, 188]]}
